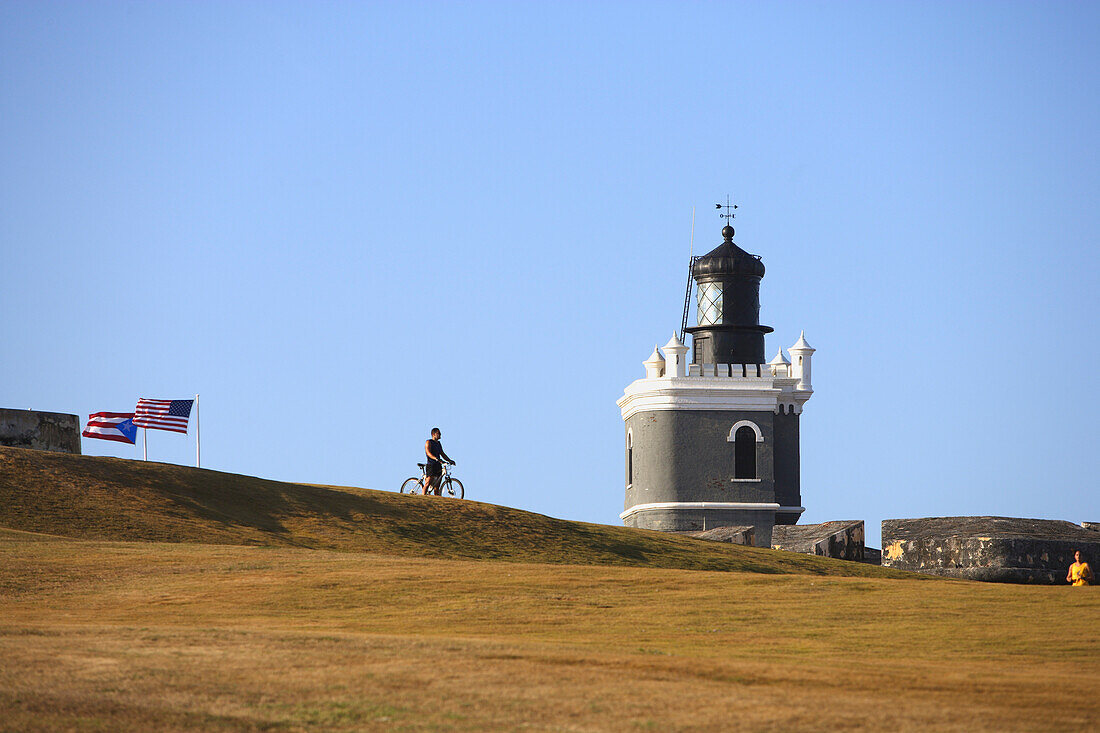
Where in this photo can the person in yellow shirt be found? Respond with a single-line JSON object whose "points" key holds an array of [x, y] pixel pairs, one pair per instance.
{"points": [[1079, 572]]}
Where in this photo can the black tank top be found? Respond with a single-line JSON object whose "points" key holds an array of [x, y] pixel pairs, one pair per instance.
{"points": [[434, 447]]}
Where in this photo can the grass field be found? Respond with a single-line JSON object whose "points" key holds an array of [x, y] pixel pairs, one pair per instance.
{"points": [[99, 634], [113, 499]]}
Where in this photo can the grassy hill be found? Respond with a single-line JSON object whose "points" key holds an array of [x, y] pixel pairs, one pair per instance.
{"points": [[114, 499], [141, 596]]}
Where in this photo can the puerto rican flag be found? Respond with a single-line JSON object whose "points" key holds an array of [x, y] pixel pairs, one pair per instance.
{"points": [[112, 426]]}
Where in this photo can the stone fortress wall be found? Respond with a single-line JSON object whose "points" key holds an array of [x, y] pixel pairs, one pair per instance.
{"points": [[52, 431], [842, 539], [999, 549]]}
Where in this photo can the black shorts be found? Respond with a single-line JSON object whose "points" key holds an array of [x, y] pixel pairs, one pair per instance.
{"points": [[434, 469]]}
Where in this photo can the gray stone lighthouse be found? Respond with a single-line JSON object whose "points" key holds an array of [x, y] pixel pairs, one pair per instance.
{"points": [[714, 442]]}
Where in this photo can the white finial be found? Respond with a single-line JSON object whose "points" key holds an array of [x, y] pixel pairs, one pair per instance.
{"points": [[675, 363], [780, 366], [801, 344], [801, 354], [655, 364]]}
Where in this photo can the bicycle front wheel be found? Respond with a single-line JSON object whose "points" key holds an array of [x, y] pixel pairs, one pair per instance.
{"points": [[411, 486], [454, 488]]}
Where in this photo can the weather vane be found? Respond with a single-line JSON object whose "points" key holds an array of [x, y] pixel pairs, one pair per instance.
{"points": [[730, 208]]}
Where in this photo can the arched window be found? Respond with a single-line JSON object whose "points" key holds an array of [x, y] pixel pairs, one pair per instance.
{"points": [[744, 453], [744, 435], [629, 458]]}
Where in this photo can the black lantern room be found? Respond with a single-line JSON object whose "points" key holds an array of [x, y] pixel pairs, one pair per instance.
{"points": [[729, 330]]}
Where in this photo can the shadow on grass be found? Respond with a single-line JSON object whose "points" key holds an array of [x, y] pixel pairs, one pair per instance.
{"points": [[115, 499]]}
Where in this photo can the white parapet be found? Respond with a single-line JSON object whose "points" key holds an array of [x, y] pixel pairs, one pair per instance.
{"points": [[673, 384]]}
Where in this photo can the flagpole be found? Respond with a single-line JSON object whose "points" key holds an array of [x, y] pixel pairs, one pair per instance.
{"points": [[145, 444], [198, 443]]}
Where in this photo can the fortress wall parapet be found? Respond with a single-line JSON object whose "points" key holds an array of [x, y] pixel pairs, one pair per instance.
{"points": [[52, 431], [840, 539], [999, 549]]}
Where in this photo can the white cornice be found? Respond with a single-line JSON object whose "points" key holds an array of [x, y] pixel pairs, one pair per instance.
{"points": [[666, 505], [753, 394]]}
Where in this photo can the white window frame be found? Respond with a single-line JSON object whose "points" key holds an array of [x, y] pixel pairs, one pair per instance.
{"points": [[630, 458], [732, 437]]}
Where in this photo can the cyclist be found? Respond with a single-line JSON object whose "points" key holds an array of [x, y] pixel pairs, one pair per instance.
{"points": [[434, 470]]}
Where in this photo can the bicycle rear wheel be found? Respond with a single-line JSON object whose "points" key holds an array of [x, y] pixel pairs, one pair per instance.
{"points": [[411, 486], [453, 487]]}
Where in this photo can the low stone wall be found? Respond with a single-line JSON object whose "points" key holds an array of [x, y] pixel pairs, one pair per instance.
{"points": [[842, 539], [997, 549], [735, 535], [686, 518], [53, 431]]}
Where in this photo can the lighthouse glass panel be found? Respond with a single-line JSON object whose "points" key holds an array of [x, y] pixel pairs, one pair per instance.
{"points": [[710, 303]]}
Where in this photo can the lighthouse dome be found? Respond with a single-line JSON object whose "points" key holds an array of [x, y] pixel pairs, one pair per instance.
{"points": [[728, 259]]}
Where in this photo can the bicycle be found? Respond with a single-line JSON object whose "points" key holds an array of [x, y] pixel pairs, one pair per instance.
{"points": [[448, 484]]}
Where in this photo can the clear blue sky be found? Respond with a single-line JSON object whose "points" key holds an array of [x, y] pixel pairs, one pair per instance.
{"points": [[343, 223]]}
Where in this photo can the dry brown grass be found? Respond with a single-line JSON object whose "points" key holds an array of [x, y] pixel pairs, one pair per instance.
{"points": [[143, 636], [366, 610]]}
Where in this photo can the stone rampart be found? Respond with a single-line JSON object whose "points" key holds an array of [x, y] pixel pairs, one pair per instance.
{"points": [[53, 431], [997, 549], [736, 535], [841, 539]]}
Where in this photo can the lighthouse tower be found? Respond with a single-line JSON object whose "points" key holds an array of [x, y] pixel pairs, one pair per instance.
{"points": [[713, 441]]}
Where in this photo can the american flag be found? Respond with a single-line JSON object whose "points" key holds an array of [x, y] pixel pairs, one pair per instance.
{"points": [[111, 426], [163, 414]]}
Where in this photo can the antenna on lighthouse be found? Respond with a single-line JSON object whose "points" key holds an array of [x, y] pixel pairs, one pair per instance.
{"points": [[691, 281]]}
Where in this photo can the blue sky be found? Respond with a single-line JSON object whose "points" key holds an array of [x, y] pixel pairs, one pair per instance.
{"points": [[344, 223]]}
